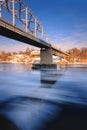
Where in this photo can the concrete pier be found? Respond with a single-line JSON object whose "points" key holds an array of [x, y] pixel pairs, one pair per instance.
{"points": [[46, 56], [46, 60]]}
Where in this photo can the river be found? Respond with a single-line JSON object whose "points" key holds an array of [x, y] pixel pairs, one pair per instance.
{"points": [[43, 99]]}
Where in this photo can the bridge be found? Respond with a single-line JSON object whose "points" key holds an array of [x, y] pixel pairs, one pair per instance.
{"points": [[18, 22]]}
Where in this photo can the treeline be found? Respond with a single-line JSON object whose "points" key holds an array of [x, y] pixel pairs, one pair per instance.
{"points": [[77, 55], [6, 56]]}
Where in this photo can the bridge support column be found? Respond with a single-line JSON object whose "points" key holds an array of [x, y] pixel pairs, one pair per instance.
{"points": [[46, 56], [46, 60]]}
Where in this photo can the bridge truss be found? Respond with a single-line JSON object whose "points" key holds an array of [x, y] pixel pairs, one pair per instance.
{"points": [[18, 12]]}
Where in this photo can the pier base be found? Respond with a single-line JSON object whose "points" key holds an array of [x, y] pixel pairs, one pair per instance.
{"points": [[44, 66]]}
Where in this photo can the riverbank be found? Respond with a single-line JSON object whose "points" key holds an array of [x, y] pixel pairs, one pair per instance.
{"points": [[59, 63], [13, 62]]}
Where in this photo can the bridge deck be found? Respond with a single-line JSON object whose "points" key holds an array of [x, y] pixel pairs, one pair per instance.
{"points": [[60, 53], [10, 31]]}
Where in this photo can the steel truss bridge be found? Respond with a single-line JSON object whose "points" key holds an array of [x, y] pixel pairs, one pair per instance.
{"points": [[18, 22]]}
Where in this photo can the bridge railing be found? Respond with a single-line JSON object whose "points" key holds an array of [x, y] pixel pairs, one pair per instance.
{"points": [[18, 14]]}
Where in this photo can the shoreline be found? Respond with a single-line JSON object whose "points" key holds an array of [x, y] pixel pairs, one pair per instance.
{"points": [[32, 63], [6, 62]]}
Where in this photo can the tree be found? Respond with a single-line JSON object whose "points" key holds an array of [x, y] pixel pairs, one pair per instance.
{"points": [[14, 53], [4, 56], [28, 52]]}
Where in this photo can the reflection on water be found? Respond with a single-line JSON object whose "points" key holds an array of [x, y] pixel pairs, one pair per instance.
{"points": [[49, 77], [37, 99]]}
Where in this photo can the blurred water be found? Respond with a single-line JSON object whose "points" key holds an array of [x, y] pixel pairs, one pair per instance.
{"points": [[30, 99]]}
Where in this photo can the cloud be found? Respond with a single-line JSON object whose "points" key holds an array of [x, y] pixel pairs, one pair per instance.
{"points": [[78, 38], [70, 42]]}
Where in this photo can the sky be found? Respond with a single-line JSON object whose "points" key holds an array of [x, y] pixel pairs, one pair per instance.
{"points": [[64, 21]]}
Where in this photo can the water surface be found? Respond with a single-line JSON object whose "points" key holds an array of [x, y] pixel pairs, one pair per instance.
{"points": [[35, 99]]}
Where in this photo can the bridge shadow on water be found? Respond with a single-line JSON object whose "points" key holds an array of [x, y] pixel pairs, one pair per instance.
{"points": [[49, 107]]}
